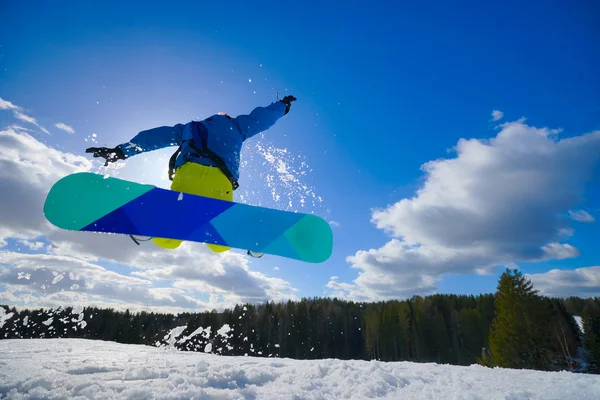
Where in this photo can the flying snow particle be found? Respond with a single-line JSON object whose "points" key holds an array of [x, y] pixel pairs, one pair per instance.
{"points": [[4, 316], [199, 331], [78, 309], [224, 330], [22, 275], [173, 334]]}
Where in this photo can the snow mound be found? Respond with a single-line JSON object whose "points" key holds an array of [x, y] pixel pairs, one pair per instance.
{"points": [[91, 369]]}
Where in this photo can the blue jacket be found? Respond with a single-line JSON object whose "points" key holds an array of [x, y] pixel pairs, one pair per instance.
{"points": [[225, 136]]}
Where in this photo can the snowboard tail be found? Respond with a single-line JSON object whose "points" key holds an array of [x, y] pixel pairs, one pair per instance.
{"points": [[90, 202]]}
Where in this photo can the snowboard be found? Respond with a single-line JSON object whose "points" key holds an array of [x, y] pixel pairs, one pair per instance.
{"points": [[90, 202]]}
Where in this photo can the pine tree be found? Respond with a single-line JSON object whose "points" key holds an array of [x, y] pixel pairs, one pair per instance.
{"points": [[516, 337]]}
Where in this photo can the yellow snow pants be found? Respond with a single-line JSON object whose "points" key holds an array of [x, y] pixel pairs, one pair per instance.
{"points": [[200, 180]]}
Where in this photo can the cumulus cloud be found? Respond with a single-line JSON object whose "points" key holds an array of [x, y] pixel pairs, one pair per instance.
{"points": [[65, 128], [19, 113], [497, 115], [28, 168], [50, 271], [581, 216], [499, 201], [582, 282], [227, 275], [50, 279]]}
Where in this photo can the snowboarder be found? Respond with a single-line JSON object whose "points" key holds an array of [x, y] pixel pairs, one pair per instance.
{"points": [[208, 158]]}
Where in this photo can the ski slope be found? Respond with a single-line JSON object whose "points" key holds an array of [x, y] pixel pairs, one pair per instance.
{"points": [[86, 369]]}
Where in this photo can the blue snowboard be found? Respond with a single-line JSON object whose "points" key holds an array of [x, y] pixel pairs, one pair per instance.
{"points": [[90, 202]]}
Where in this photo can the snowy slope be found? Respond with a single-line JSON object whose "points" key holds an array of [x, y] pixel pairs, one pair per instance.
{"points": [[86, 369], [579, 323]]}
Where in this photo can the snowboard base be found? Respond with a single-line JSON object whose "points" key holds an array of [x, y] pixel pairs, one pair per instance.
{"points": [[90, 202]]}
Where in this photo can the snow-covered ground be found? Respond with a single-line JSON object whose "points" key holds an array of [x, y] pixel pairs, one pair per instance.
{"points": [[82, 369], [579, 323]]}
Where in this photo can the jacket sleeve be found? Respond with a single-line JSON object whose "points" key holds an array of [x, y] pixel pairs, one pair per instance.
{"points": [[260, 119], [153, 139]]}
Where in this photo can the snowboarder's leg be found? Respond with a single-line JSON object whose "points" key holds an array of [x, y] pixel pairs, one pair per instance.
{"points": [[204, 181]]}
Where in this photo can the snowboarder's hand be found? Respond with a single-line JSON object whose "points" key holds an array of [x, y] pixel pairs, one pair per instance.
{"points": [[287, 100], [111, 155]]}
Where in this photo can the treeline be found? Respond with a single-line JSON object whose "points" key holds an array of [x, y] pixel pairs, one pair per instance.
{"points": [[513, 328]]}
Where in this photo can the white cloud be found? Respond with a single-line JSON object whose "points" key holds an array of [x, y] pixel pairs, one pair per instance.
{"points": [[32, 245], [334, 223], [25, 118], [499, 201], [497, 115], [192, 267], [7, 105], [28, 168], [582, 282], [42, 267], [18, 112], [581, 216], [226, 275], [557, 251], [50, 280], [65, 128]]}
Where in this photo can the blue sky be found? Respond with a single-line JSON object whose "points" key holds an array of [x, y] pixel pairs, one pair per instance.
{"points": [[382, 90]]}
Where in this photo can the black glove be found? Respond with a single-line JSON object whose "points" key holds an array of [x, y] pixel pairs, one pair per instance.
{"points": [[111, 155], [287, 100]]}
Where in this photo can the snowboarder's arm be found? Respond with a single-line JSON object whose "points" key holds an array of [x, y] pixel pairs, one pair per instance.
{"points": [[260, 119], [153, 139]]}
